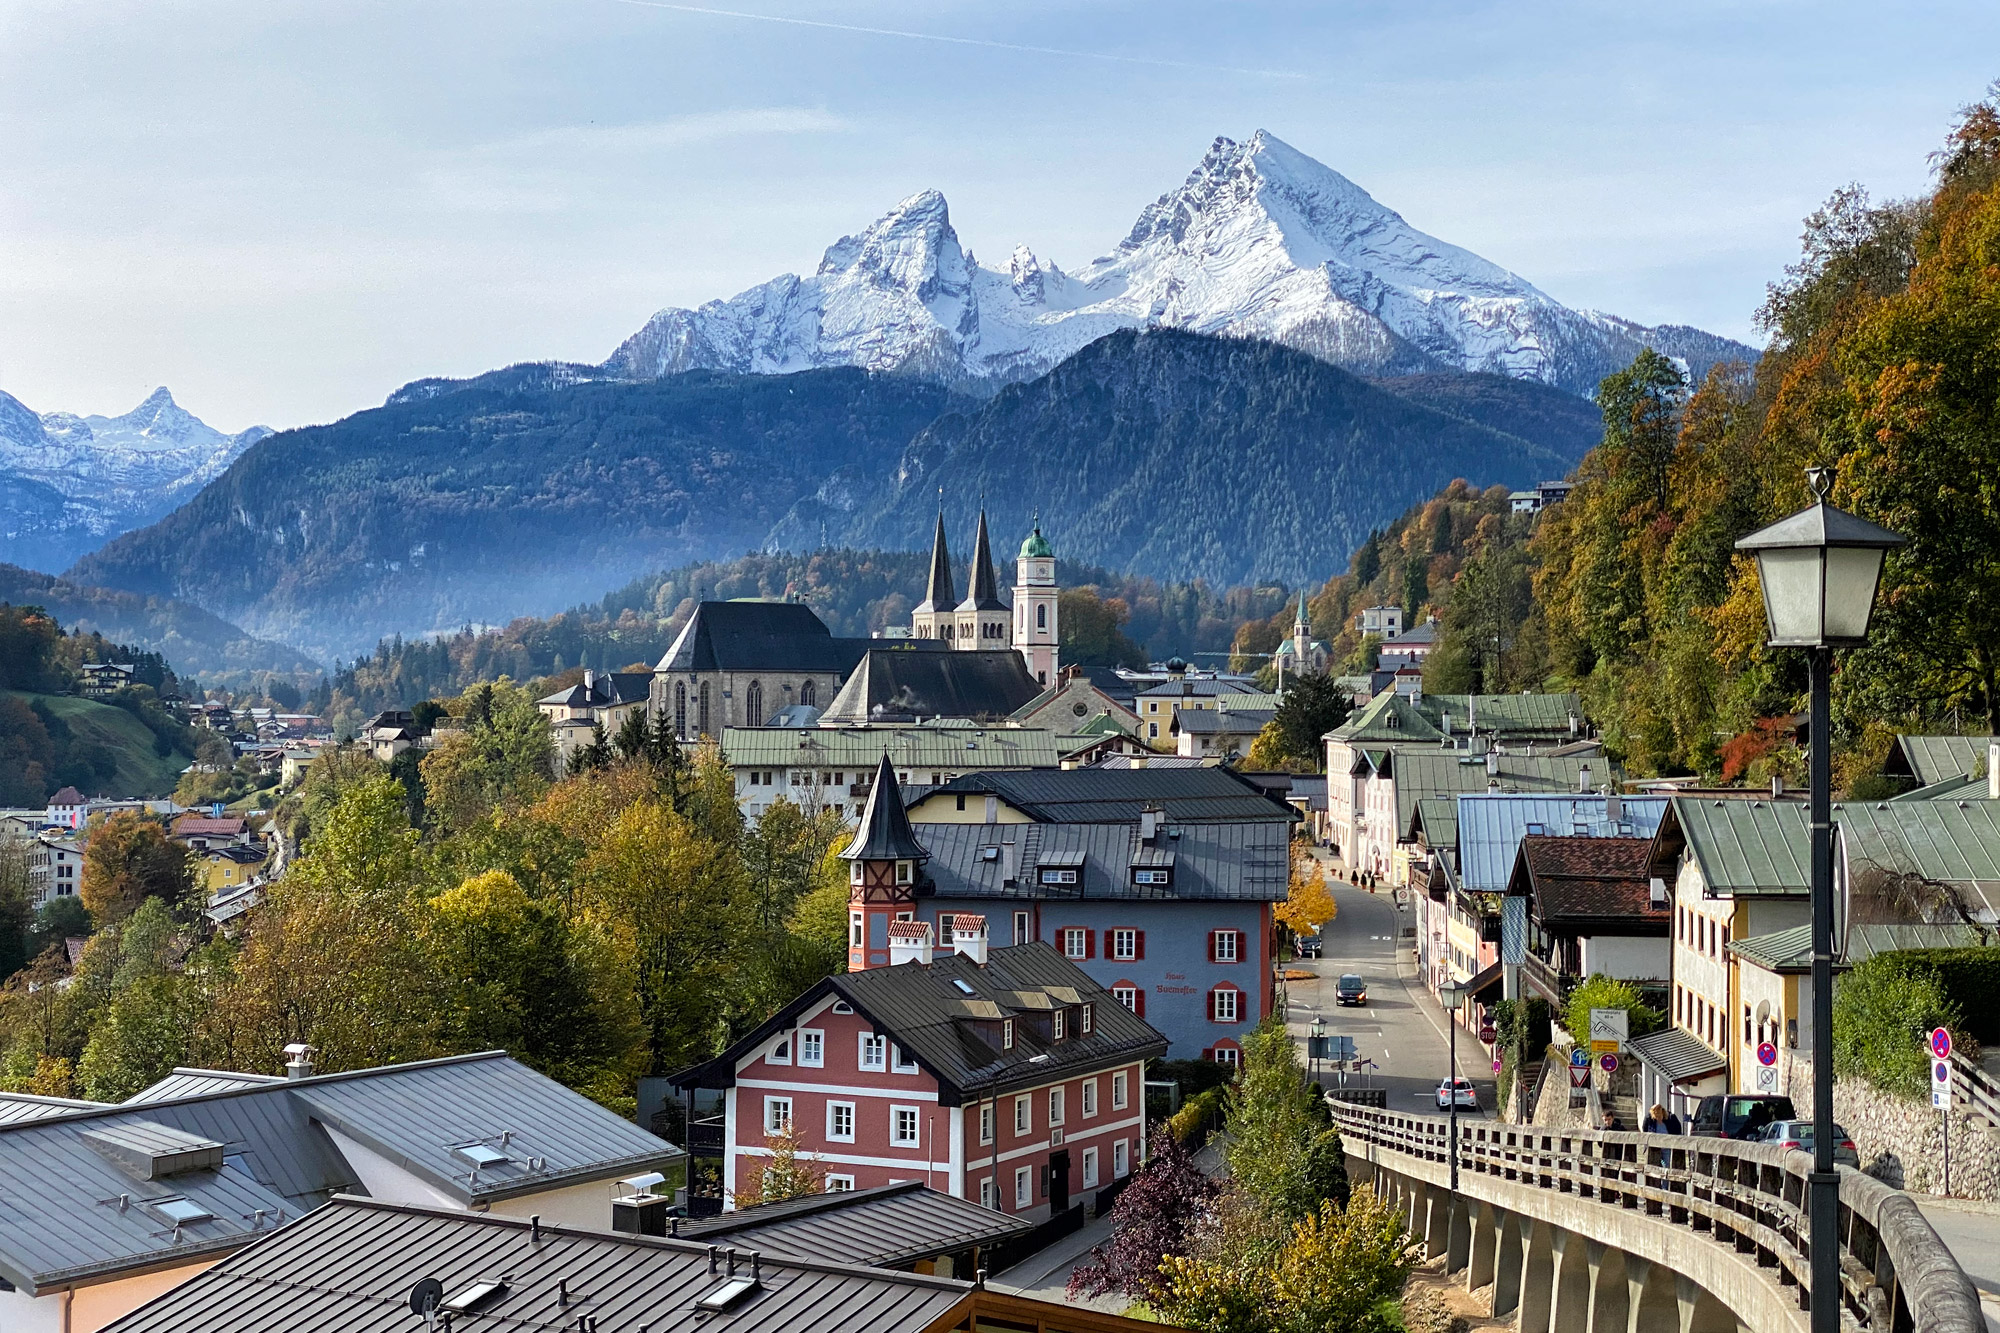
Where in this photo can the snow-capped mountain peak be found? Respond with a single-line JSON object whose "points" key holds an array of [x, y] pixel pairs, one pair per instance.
{"points": [[1260, 240]]}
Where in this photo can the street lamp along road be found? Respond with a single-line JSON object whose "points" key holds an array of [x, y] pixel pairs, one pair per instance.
{"points": [[1819, 570], [1452, 996]]}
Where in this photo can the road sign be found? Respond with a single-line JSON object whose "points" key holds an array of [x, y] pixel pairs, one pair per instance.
{"points": [[1340, 1048], [1612, 1025], [1496, 1066], [1767, 1054], [1608, 1062], [1579, 1076], [1767, 1079], [1579, 1058], [1316, 1048], [1941, 1083], [1941, 1043]]}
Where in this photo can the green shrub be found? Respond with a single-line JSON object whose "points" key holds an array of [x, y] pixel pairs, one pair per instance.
{"points": [[1884, 1010], [1602, 992], [1199, 1117]]}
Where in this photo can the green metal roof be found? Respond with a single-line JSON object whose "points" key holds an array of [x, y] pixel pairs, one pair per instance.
{"points": [[957, 748], [1438, 818], [1791, 950], [1388, 717], [1425, 773], [1931, 759], [1964, 787], [1761, 848], [1505, 714], [1746, 848], [1036, 547]]}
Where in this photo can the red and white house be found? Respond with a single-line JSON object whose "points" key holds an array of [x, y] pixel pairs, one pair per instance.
{"points": [[1005, 1076]]}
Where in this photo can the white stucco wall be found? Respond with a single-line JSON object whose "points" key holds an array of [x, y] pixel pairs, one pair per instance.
{"points": [[92, 1307], [1627, 957]]}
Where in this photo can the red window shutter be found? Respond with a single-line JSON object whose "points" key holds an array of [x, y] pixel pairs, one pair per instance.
{"points": [[1139, 945], [1211, 944], [1090, 944], [1139, 1001], [1208, 1052]]}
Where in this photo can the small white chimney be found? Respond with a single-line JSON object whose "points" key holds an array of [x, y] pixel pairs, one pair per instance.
{"points": [[1659, 893], [1614, 808], [1583, 778], [993, 809], [589, 682], [1777, 786], [298, 1060], [909, 942], [1993, 770], [1472, 712], [1138, 761], [1492, 763], [1573, 724], [1149, 825], [968, 937]]}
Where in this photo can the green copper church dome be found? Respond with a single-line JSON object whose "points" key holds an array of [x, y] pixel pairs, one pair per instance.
{"points": [[1037, 546]]}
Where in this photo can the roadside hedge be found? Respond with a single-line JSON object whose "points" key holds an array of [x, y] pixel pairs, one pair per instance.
{"points": [[1885, 1008]]}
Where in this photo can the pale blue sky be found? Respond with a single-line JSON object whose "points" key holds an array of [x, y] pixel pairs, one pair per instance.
{"points": [[285, 210]]}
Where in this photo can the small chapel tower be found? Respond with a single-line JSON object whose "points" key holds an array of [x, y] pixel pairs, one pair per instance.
{"points": [[1035, 635]]}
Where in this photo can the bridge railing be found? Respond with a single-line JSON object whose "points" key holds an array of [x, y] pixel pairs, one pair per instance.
{"points": [[1896, 1275]]}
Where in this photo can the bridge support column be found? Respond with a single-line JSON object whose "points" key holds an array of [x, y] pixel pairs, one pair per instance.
{"points": [[1537, 1277], [1609, 1301], [1437, 1220], [1458, 1236], [1415, 1197], [1570, 1284], [1651, 1302], [1507, 1264], [1486, 1223], [1699, 1311]]}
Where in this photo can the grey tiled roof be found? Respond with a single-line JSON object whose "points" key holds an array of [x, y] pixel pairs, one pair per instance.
{"points": [[57, 1225], [923, 1012], [351, 1266], [888, 1225], [1240, 861]]}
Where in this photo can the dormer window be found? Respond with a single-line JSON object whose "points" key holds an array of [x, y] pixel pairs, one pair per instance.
{"points": [[1152, 877], [1084, 1024], [1006, 1034], [853, 872], [1059, 1024]]}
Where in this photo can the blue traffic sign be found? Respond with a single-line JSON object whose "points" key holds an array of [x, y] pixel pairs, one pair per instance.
{"points": [[1579, 1058]]}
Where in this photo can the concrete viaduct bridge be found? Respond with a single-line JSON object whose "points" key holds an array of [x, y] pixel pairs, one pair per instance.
{"points": [[1582, 1231]]}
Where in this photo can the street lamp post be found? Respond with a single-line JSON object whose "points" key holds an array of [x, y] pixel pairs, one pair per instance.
{"points": [[1317, 1046], [1453, 996], [1819, 570]]}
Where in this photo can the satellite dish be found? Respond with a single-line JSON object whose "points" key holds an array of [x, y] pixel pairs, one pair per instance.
{"points": [[426, 1296]]}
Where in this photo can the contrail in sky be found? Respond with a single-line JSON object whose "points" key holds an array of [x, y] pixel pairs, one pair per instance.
{"points": [[962, 41]]}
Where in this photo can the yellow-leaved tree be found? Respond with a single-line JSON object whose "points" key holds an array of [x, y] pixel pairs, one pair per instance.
{"points": [[1308, 903]]}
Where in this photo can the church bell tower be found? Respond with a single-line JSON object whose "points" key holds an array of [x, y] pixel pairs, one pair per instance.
{"points": [[1035, 634]]}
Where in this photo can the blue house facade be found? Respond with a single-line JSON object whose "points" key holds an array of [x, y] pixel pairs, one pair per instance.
{"points": [[1174, 919]]}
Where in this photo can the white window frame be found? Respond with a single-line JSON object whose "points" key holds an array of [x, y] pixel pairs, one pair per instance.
{"points": [[876, 1045], [1090, 1168], [1152, 877], [1120, 1159], [1058, 1106], [1024, 1115], [781, 1052], [833, 1133], [839, 1184], [855, 925], [901, 1061], [1059, 875], [1006, 1034], [1215, 1005], [1058, 1024], [1120, 1081], [1227, 946], [915, 1119], [777, 1114], [1228, 1056], [1127, 996], [1023, 932], [1075, 943], [812, 1048], [986, 1192], [1084, 1019], [1087, 1104], [986, 1118], [1024, 1187]]}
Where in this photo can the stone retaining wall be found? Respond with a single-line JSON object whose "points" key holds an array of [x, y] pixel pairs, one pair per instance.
{"points": [[1901, 1140]]}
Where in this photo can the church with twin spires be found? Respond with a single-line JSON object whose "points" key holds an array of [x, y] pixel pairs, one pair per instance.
{"points": [[982, 620]]}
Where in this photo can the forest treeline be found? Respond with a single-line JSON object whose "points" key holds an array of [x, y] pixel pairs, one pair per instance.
{"points": [[1881, 365]]}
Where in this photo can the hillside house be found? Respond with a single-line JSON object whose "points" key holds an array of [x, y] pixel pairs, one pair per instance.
{"points": [[101, 680], [601, 699], [68, 808]]}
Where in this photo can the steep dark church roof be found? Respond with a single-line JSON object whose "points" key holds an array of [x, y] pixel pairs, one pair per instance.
{"points": [[885, 827], [985, 592], [909, 681], [940, 595], [759, 636]]}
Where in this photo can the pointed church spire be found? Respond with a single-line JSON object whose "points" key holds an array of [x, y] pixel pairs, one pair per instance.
{"points": [[984, 595], [885, 833], [940, 595], [1301, 620]]}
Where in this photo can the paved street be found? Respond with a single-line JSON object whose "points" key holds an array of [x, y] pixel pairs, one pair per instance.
{"points": [[1972, 1230], [1401, 1028]]}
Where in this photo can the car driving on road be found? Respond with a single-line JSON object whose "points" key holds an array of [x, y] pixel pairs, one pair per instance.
{"points": [[1350, 989], [1457, 1090], [1309, 946]]}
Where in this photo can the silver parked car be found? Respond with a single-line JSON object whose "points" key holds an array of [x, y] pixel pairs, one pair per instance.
{"points": [[1798, 1136]]}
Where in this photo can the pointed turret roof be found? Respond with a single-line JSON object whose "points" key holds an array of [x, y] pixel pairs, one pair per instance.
{"points": [[940, 595], [1301, 618], [885, 833], [984, 594]]}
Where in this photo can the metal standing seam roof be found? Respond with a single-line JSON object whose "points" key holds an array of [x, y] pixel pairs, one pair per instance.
{"points": [[198, 1083], [910, 746], [1199, 687], [759, 636], [884, 1226], [1388, 718], [1236, 862], [1748, 848], [924, 1013], [1790, 950], [1678, 1054], [352, 1265], [1437, 822], [1118, 795], [1491, 825], [923, 678], [60, 1217], [17, 1107], [1931, 759], [1745, 848], [1426, 772], [1222, 721]]}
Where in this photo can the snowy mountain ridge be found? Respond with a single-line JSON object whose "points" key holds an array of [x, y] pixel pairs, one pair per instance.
{"points": [[1260, 241], [69, 483]]}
